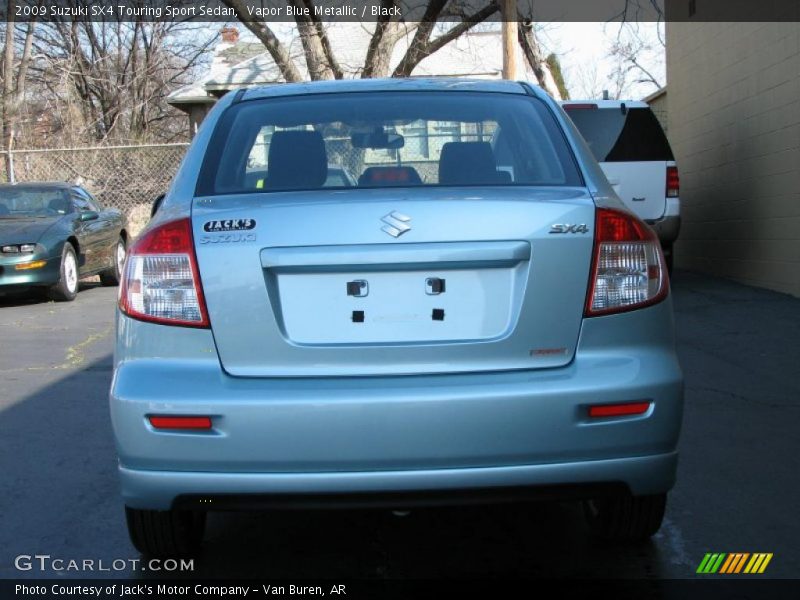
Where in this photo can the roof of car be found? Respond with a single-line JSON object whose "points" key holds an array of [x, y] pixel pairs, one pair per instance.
{"points": [[39, 184], [392, 84], [606, 103]]}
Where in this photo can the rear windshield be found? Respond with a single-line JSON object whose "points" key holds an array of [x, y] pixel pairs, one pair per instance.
{"points": [[617, 137], [386, 139]]}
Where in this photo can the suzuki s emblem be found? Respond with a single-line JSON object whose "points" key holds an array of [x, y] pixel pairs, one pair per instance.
{"points": [[396, 224]]}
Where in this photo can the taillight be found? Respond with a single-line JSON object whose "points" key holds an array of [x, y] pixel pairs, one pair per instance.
{"points": [[628, 269], [161, 282], [673, 182], [579, 106]]}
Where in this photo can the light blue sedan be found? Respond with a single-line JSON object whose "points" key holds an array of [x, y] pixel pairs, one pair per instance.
{"points": [[478, 319]]}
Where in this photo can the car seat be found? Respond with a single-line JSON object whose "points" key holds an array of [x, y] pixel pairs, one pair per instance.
{"points": [[60, 205], [297, 160], [468, 163]]}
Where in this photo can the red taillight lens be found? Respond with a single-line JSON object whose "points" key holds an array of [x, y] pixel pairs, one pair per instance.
{"points": [[618, 410], [170, 422], [579, 106], [160, 281], [673, 182], [628, 269]]}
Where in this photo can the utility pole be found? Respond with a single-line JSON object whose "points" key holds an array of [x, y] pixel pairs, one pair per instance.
{"points": [[509, 14]]}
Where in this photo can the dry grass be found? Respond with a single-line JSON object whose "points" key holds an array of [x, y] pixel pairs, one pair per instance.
{"points": [[138, 217]]}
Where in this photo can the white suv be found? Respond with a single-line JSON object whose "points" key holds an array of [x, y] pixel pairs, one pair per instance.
{"points": [[629, 143]]}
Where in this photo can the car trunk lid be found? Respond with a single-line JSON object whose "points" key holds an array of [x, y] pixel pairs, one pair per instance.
{"points": [[373, 282]]}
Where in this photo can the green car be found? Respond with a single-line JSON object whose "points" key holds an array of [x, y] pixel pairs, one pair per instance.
{"points": [[53, 234]]}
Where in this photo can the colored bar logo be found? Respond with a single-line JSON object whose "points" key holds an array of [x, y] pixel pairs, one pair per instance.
{"points": [[734, 563]]}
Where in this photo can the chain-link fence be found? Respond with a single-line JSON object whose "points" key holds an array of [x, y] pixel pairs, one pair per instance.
{"points": [[130, 177], [124, 177]]}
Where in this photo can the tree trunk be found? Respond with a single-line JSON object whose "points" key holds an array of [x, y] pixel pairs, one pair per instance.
{"points": [[312, 36], [421, 47], [379, 52], [536, 59], [8, 90]]}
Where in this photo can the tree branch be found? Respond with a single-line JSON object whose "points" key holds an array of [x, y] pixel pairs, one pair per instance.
{"points": [[386, 35], [421, 47], [267, 37], [330, 57]]}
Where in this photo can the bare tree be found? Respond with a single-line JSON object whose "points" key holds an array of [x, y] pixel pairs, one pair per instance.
{"points": [[586, 81], [322, 63], [14, 76], [440, 22], [423, 46], [632, 50], [536, 58], [113, 76], [632, 73]]}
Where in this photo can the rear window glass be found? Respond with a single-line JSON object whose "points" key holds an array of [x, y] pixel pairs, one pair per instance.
{"points": [[617, 137], [386, 139]]}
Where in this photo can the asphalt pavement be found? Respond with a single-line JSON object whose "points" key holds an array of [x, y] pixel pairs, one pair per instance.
{"points": [[737, 484]]}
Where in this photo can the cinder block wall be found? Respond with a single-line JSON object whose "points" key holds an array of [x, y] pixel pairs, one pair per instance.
{"points": [[734, 125]]}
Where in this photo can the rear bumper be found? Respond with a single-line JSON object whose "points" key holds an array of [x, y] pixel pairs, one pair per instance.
{"points": [[669, 226], [405, 434], [238, 491]]}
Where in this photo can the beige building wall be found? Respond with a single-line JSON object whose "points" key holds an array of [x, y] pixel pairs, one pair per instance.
{"points": [[734, 125]]}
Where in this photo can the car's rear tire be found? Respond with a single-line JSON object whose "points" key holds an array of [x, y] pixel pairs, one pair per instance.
{"points": [[167, 533], [113, 276], [67, 287], [625, 518]]}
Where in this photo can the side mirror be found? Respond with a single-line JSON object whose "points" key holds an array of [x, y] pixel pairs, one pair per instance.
{"points": [[156, 205], [89, 215]]}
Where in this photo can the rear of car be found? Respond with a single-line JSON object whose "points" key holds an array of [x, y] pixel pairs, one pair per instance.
{"points": [[634, 153], [479, 317]]}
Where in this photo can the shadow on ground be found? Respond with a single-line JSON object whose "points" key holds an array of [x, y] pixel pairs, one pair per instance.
{"points": [[30, 296], [736, 491]]}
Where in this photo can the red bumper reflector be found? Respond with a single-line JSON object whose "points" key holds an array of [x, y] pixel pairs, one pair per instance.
{"points": [[618, 410], [180, 422]]}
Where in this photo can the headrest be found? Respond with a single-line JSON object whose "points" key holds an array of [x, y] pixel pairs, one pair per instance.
{"points": [[464, 163], [60, 205], [297, 160]]}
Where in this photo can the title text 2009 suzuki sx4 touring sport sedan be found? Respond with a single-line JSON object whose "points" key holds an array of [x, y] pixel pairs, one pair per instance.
{"points": [[474, 317]]}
